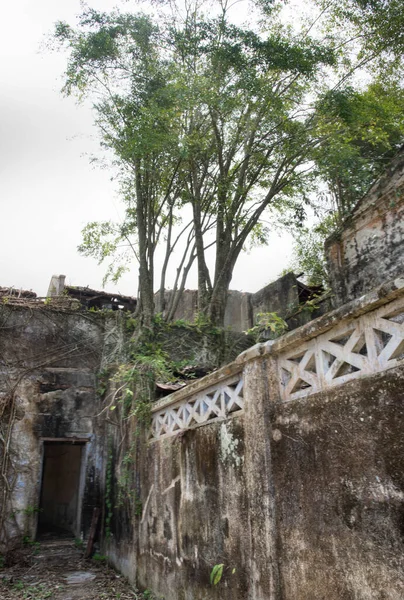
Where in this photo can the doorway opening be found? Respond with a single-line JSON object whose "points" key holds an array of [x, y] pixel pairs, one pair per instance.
{"points": [[60, 503]]}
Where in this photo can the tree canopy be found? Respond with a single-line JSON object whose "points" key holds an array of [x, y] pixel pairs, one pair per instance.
{"points": [[225, 123]]}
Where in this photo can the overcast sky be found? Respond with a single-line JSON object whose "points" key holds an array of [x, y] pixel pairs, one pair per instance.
{"points": [[48, 189]]}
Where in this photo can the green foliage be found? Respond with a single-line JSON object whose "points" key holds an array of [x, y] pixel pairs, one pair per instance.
{"points": [[216, 574], [35, 592], [127, 495], [378, 26], [131, 324], [27, 540], [308, 252], [268, 323], [31, 510], [368, 130], [100, 558], [103, 377]]}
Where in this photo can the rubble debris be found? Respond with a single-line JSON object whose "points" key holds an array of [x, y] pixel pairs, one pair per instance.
{"points": [[89, 298], [12, 292], [100, 300]]}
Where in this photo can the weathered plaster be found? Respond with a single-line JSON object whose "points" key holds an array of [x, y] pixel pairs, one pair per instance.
{"points": [[302, 498], [50, 359], [369, 248]]}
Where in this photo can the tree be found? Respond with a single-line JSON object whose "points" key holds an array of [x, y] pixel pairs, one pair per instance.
{"points": [[369, 131], [247, 136], [115, 59], [203, 113], [376, 25], [369, 127]]}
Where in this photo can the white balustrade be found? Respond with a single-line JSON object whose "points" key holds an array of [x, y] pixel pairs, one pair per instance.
{"points": [[368, 344], [209, 405]]}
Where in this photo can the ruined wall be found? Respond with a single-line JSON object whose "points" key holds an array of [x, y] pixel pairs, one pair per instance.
{"points": [[369, 248], [281, 296], [285, 466], [48, 363], [339, 489]]}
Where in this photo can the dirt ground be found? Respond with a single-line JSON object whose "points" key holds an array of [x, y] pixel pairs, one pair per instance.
{"points": [[56, 569]]}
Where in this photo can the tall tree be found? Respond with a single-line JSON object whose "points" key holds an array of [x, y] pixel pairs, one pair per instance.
{"points": [[117, 61], [248, 133], [201, 112]]}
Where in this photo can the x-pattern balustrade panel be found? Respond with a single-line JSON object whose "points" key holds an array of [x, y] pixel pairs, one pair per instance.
{"points": [[209, 405], [371, 343]]}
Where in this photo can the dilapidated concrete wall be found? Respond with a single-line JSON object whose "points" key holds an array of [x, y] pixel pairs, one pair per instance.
{"points": [[369, 247], [283, 296], [48, 365], [285, 466], [207, 499], [338, 472], [49, 362]]}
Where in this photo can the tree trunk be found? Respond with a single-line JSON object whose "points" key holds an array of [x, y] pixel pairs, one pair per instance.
{"points": [[146, 292]]}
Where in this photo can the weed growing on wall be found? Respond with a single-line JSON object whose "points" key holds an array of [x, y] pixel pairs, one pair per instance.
{"points": [[154, 354], [269, 325]]}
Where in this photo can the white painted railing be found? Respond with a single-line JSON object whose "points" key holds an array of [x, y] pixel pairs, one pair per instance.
{"points": [[213, 403], [362, 338], [368, 344]]}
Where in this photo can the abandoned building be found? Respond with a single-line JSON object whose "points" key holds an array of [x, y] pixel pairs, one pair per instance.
{"points": [[286, 296], [285, 466]]}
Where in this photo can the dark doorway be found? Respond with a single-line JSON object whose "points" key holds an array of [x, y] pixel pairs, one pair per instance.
{"points": [[60, 492]]}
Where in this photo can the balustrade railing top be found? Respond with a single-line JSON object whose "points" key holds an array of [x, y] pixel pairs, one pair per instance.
{"points": [[370, 343], [213, 403], [361, 338]]}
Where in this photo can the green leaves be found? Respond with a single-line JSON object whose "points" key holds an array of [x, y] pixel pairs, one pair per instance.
{"points": [[363, 131], [268, 323], [216, 574]]}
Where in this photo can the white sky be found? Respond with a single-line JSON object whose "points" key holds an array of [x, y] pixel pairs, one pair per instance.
{"points": [[48, 189]]}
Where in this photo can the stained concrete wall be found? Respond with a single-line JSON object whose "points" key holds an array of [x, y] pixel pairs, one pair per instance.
{"points": [[207, 499], [369, 248], [48, 362], [338, 470], [299, 500]]}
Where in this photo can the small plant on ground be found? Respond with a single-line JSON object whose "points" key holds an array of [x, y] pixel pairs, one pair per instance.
{"points": [[78, 542], [27, 540], [32, 592], [100, 558]]}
